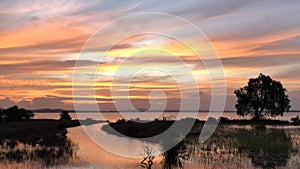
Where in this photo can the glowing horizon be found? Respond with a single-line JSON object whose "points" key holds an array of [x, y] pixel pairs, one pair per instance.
{"points": [[40, 42]]}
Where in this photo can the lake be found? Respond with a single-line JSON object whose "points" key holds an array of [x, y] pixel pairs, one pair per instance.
{"points": [[233, 147], [113, 116]]}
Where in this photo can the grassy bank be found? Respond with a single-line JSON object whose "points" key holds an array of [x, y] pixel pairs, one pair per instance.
{"points": [[228, 147], [152, 128]]}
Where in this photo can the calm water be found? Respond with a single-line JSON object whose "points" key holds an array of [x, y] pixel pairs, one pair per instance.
{"points": [[151, 116], [228, 148]]}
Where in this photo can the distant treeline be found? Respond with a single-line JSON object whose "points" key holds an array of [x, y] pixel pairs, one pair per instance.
{"points": [[15, 113]]}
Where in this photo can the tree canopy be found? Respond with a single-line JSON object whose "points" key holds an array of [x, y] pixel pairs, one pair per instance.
{"points": [[263, 96], [64, 115], [15, 113]]}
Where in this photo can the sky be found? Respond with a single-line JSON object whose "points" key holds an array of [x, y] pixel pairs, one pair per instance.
{"points": [[40, 42]]}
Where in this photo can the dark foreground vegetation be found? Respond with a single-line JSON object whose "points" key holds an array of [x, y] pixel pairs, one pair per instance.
{"points": [[152, 128], [36, 140], [267, 148], [44, 140]]}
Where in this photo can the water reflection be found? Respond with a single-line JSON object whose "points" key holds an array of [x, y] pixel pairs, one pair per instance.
{"points": [[234, 148], [266, 148], [50, 146], [230, 148]]}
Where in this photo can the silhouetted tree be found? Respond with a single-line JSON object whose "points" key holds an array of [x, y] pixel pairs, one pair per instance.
{"points": [[1, 114], [64, 115], [262, 96], [15, 113]]}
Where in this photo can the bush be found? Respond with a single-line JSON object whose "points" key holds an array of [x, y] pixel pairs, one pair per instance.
{"points": [[15, 113], [64, 115]]}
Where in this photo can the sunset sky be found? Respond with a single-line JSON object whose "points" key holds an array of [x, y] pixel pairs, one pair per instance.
{"points": [[40, 42]]}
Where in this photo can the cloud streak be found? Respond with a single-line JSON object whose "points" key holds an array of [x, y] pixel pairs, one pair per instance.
{"points": [[40, 42]]}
